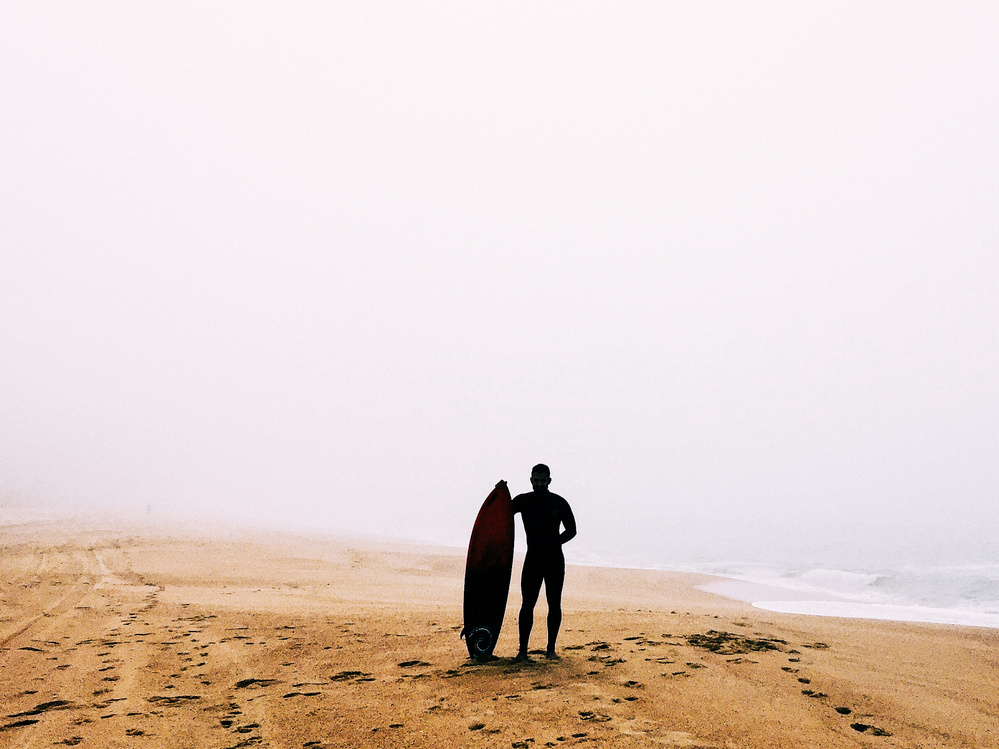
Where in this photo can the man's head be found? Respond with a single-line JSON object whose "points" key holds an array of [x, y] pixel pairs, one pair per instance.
{"points": [[541, 477]]}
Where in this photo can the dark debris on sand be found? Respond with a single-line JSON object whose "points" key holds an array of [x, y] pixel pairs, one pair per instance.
{"points": [[727, 643]]}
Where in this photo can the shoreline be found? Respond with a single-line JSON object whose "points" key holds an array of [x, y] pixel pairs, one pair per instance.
{"points": [[806, 601], [792, 601], [882, 612]]}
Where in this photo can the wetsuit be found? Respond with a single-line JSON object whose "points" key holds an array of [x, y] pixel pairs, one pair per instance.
{"points": [[543, 512]]}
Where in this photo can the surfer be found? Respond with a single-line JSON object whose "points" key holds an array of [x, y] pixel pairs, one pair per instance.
{"points": [[543, 513]]}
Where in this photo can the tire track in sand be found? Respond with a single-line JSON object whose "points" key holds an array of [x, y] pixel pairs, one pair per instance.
{"points": [[64, 601]]}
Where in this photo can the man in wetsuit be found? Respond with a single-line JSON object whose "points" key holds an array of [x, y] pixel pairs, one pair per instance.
{"points": [[543, 512]]}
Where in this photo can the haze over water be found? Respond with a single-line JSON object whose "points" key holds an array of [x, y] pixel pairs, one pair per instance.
{"points": [[731, 271]]}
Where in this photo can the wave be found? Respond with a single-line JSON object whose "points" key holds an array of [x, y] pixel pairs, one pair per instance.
{"points": [[958, 593]]}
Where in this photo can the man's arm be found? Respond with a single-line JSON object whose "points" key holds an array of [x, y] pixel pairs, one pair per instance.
{"points": [[569, 521]]}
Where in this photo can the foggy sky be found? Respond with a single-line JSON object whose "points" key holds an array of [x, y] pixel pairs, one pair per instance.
{"points": [[347, 266]]}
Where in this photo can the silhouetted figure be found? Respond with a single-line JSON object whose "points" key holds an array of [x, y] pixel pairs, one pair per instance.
{"points": [[543, 513]]}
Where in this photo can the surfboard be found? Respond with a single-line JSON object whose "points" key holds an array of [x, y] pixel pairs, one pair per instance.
{"points": [[487, 573]]}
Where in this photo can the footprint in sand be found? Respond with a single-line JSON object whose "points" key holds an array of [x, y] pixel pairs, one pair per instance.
{"points": [[179, 699], [872, 730], [812, 693], [348, 675], [19, 724], [251, 682], [44, 707], [606, 660]]}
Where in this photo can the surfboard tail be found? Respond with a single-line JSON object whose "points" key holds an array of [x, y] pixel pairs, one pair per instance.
{"points": [[480, 642]]}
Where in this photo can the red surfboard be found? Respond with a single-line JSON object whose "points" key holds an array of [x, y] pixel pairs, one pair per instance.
{"points": [[487, 573]]}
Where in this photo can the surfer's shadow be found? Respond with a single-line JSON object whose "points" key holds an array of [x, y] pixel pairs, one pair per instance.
{"points": [[566, 669]]}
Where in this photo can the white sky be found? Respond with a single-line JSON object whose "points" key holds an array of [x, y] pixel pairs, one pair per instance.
{"points": [[349, 264]]}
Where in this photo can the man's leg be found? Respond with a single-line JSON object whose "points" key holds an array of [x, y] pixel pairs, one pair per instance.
{"points": [[554, 578], [530, 587]]}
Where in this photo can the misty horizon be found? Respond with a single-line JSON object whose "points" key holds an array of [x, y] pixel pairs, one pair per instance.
{"points": [[728, 270]]}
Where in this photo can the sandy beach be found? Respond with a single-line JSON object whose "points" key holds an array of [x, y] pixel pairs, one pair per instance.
{"points": [[146, 636]]}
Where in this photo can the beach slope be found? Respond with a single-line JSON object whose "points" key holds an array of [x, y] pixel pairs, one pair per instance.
{"points": [[145, 636]]}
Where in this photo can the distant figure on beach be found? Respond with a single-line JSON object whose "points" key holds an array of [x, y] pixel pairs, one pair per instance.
{"points": [[543, 513]]}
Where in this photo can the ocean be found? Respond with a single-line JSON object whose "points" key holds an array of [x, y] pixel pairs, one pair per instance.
{"points": [[939, 577]]}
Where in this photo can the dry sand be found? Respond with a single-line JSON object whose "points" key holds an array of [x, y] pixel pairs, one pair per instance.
{"points": [[157, 637]]}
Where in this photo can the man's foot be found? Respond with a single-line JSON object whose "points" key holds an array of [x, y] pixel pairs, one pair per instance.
{"points": [[521, 657], [552, 655]]}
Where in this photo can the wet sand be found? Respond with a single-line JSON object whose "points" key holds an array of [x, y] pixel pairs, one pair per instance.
{"points": [[143, 636]]}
